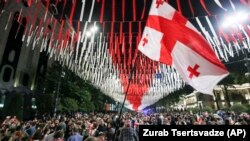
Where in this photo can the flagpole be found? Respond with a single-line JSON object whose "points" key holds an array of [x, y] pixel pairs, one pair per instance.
{"points": [[126, 94]]}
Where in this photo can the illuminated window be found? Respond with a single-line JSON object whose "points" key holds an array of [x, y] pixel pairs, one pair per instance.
{"points": [[232, 103], [222, 97]]}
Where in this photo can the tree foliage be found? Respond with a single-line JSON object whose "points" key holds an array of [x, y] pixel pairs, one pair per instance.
{"points": [[44, 102], [207, 109], [75, 94], [69, 105], [175, 96], [239, 108]]}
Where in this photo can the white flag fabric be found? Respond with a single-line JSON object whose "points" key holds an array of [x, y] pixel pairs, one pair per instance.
{"points": [[171, 39]]}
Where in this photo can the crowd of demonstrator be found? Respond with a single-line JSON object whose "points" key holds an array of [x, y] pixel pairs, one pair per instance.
{"points": [[101, 127]]}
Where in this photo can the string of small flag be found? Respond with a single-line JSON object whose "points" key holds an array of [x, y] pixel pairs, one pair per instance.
{"points": [[106, 58]]}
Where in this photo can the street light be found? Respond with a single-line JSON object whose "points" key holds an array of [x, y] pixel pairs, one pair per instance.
{"points": [[235, 19], [88, 34], [91, 31], [2, 99], [94, 29], [62, 74]]}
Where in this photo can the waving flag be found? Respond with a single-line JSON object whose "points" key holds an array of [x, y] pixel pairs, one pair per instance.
{"points": [[171, 39]]}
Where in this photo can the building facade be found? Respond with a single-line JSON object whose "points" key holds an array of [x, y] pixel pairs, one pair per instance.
{"points": [[224, 97], [23, 63]]}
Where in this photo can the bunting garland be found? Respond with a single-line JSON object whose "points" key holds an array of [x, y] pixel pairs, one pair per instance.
{"points": [[143, 11], [179, 6], [220, 5], [191, 7], [134, 10], [82, 10], [107, 59], [102, 11], [205, 8]]}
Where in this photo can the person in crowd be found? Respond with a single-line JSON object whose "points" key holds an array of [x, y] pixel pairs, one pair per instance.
{"points": [[59, 135], [49, 136], [75, 136], [31, 128], [110, 132], [166, 121], [90, 138], [128, 133], [120, 125], [100, 126], [101, 136], [38, 136], [62, 123], [93, 130]]}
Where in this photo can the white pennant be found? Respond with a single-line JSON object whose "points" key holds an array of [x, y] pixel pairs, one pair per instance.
{"points": [[92, 9], [232, 5], [219, 4], [82, 10]]}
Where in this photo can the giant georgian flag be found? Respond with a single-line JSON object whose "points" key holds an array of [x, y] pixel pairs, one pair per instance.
{"points": [[169, 38]]}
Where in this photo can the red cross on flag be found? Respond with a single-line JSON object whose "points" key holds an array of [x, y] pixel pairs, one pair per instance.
{"points": [[169, 38]]}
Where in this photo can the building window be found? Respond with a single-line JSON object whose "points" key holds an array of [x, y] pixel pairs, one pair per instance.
{"points": [[12, 56], [247, 96], [7, 73], [26, 79], [42, 69], [222, 96], [232, 103], [14, 42], [2, 3], [223, 103]]}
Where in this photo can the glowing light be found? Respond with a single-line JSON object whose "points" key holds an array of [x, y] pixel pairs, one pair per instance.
{"points": [[94, 29], [241, 16], [228, 22], [32, 87], [234, 20], [88, 34], [16, 83]]}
